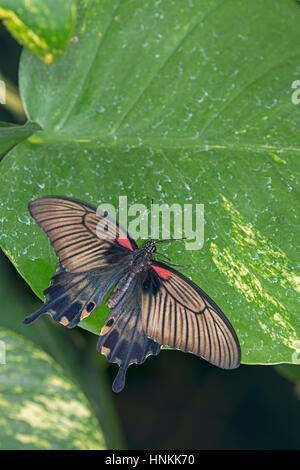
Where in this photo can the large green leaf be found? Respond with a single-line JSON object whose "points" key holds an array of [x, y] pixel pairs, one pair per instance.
{"points": [[179, 102], [40, 407], [44, 26]]}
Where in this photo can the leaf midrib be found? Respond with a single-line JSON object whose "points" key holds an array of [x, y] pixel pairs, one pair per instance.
{"points": [[155, 143]]}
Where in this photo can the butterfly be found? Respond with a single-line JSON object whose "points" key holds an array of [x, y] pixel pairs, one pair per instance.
{"points": [[152, 303]]}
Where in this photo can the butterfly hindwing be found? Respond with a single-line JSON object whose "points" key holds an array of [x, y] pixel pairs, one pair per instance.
{"points": [[177, 313], [74, 296], [122, 339]]}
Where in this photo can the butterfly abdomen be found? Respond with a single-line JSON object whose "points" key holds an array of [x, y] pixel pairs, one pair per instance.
{"points": [[120, 289]]}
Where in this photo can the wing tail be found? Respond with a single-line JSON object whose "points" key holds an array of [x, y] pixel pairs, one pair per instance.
{"points": [[122, 339], [33, 316]]}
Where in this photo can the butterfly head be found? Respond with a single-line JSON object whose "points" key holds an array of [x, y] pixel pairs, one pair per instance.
{"points": [[150, 247]]}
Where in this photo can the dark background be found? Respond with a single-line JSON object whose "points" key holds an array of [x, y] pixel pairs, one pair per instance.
{"points": [[175, 400]]}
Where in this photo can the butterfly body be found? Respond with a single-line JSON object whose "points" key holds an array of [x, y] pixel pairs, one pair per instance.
{"points": [[139, 263], [152, 303]]}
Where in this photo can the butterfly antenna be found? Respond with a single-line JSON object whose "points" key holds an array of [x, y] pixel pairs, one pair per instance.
{"points": [[162, 254], [182, 266], [169, 240], [169, 263]]}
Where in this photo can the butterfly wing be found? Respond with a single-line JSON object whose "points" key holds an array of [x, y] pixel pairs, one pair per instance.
{"points": [[93, 250], [82, 237], [177, 313], [73, 296], [122, 339]]}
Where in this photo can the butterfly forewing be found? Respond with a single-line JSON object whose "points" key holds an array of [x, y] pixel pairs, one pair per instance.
{"points": [[88, 266], [82, 238], [177, 313]]}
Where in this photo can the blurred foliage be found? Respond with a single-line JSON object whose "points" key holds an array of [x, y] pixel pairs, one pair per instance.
{"points": [[10, 51], [40, 407], [176, 402], [291, 372], [44, 26], [13, 102]]}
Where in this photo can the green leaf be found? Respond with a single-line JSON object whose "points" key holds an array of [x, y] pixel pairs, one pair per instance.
{"points": [[11, 134], [187, 103], [44, 26], [40, 407]]}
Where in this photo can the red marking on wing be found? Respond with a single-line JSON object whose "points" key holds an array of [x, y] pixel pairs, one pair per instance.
{"points": [[163, 273], [125, 242]]}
